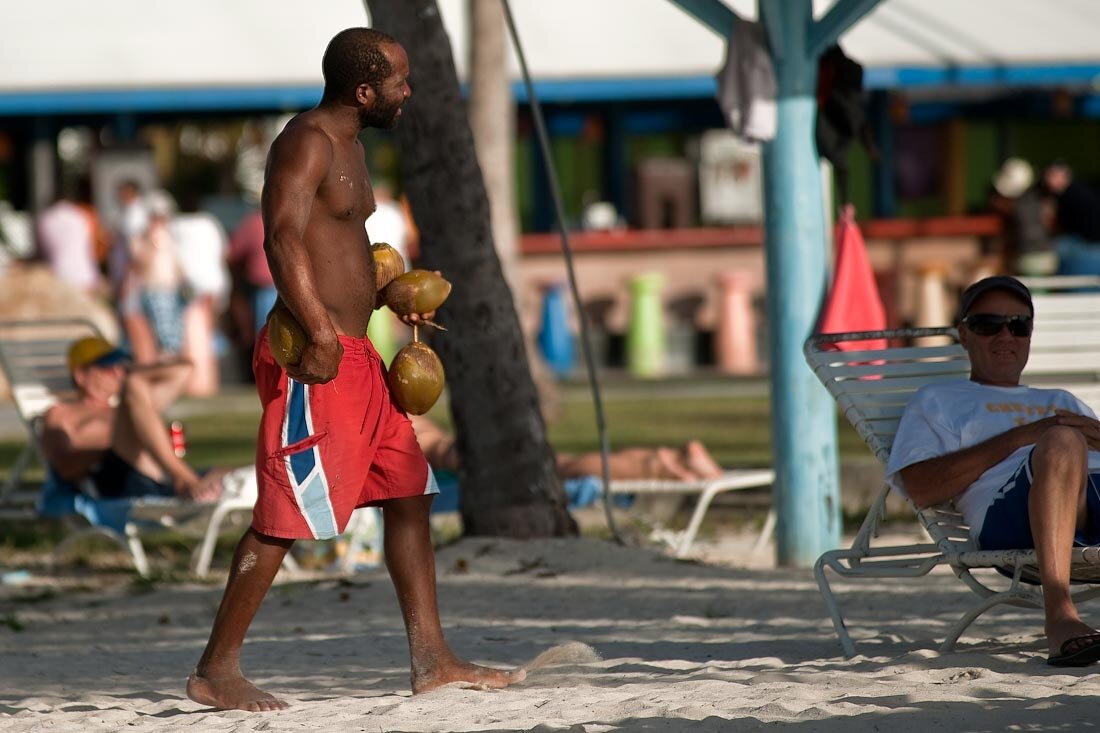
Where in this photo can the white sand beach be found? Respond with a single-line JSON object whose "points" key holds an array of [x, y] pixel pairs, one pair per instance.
{"points": [[641, 642]]}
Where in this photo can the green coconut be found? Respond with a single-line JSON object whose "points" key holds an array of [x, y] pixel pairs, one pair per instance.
{"points": [[286, 335], [388, 264], [416, 291], [416, 378]]}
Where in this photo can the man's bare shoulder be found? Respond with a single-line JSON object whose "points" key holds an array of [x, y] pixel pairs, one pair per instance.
{"points": [[73, 411], [61, 413], [306, 130], [303, 151]]}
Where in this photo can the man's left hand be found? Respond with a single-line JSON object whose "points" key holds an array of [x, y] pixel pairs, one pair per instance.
{"points": [[415, 319]]}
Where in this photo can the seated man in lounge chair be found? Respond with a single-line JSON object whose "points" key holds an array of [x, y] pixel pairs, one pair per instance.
{"points": [[1020, 463], [113, 432]]}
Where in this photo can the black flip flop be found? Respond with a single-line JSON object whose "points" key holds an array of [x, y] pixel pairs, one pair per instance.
{"points": [[1087, 652]]}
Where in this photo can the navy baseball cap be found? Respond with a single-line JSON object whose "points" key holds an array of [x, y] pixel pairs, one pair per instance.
{"points": [[1009, 284]]}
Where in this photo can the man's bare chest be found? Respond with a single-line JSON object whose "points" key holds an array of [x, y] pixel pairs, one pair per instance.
{"points": [[347, 193]]}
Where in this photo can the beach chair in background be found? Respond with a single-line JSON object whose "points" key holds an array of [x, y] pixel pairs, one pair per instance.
{"points": [[34, 359], [871, 389], [1065, 348], [707, 489]]}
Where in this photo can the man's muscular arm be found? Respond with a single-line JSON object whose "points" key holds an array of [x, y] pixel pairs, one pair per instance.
{"points": [[300, 160], [166, 379], [939, 479]]}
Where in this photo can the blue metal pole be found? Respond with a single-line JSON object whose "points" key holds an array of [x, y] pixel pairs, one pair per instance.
{"points": [[803, 415], [804, 442]]}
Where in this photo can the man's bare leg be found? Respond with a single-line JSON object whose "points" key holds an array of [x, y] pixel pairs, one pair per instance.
{"points": [[217, 680], [1056, 508], [141, 438], [699, 459], [628, 464], [411, 562]]}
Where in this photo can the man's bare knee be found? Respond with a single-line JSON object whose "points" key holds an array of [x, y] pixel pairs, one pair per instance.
{"points": [[1061, 440], [1060, 460], [135, 391]]}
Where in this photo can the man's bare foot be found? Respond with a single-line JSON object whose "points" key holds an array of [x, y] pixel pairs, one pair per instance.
{"points": [[699, 460], [231, 693], [470, 675]]}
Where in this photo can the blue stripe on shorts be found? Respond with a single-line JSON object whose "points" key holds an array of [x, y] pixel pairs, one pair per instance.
{"points": [[1007, 524]]}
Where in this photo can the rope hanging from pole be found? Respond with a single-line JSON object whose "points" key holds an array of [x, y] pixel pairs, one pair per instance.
{"points": [[567, 252]]}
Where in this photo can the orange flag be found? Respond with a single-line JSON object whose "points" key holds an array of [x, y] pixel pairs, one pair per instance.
{"points": [[853, 303]]}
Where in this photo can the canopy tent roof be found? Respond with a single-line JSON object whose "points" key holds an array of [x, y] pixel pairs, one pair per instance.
{"points": [[209, 54]]}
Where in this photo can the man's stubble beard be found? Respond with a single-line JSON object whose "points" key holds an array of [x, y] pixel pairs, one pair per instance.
{"points": [[383, 117]]}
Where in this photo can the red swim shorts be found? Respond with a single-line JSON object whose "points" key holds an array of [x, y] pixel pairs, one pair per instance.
{"points": [[326, 449]]}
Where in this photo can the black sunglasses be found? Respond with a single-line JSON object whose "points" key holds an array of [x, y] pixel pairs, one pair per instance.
{"points": [[988, 324]]}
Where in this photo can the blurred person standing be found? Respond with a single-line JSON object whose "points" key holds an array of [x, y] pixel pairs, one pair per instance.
{"points": [[201, 244], [1076, 220], [101, 234], [158, 277], [1029, 247], [248, 263], [66, 241], [389, 223], [132, 221]]}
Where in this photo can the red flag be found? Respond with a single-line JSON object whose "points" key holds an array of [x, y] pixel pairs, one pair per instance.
{"points": [[853, 303]]}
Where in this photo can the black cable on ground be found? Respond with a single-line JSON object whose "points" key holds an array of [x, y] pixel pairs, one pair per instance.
{"points": [[567, 251]]}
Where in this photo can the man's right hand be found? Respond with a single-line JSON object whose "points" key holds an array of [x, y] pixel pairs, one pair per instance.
{"points": [[199, 488], [319, 363], [1087, 426]]}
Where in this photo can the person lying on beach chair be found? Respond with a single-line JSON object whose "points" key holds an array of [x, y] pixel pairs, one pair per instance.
{"points": [[113, 434], [1020, 463], [692, 462]]}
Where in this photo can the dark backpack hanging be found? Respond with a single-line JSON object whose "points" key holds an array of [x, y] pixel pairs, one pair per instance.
{"points": [[841, 115]]}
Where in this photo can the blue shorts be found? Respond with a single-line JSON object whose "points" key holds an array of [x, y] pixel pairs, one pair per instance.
{"points": [[1007, 524], [115, 478]]}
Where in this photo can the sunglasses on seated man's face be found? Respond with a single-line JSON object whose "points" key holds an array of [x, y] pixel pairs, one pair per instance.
{"points": [[989, 324]]}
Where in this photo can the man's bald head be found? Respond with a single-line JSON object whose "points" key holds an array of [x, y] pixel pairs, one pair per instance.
{"points": [[356, 56]]}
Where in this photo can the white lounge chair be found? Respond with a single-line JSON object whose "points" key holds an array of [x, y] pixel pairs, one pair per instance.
{"points": [[871, 389], [707, 489]]}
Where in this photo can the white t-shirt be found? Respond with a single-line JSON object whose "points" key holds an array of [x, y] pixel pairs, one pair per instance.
{"points": [[387, 224], [201, 243], [950, 416], [65, 233]]}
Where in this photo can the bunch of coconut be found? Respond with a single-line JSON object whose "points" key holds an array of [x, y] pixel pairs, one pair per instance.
{"points": [[415, 375]]}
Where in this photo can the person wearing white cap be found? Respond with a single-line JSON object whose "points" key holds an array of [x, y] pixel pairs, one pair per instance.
{"points": [[1076, 220], [1029, 248]]}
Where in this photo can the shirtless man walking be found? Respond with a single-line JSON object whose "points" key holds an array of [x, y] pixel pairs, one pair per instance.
{"points": [[331, 438]]}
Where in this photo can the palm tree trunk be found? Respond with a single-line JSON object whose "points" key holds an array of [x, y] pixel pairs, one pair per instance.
{"points": [[492, 120], [509, 485]]}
